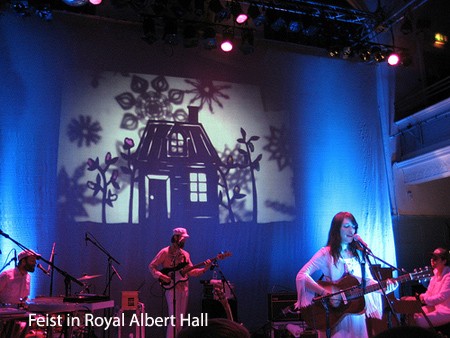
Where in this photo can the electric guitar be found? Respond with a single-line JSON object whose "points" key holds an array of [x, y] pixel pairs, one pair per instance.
{"points": [[180, 272], [346, 297]]}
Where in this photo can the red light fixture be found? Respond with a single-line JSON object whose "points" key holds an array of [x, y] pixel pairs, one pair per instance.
{"points": [[227, 42], [393, 59]]}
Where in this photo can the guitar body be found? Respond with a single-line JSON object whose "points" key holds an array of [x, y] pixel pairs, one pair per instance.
{"points": [[179, 273], [347, 297], [315, 314], [176, 274]]}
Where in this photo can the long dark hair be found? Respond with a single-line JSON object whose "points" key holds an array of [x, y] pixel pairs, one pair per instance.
{"points": [[334, 236]]}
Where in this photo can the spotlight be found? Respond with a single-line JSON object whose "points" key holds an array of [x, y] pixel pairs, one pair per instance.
{"points": [[393, 59], [76, 3], [295, 26], [378, 54], [45, 13], [21, 8], [95, 2], [346, 52], [334, 51], [236, 10], [227, 41], [364, 54]]}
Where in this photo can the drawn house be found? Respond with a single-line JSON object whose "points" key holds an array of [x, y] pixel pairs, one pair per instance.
{"points": [[178, 178]]}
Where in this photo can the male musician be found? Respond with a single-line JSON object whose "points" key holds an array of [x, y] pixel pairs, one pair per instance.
{"points": [[15, 282], [436, 300], [176, 260]]}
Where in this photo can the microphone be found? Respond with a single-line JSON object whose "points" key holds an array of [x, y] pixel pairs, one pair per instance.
{"points": [[40, 267], [357, 238]]}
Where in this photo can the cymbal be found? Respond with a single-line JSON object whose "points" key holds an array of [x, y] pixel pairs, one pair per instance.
{"points": [[87, 277]]}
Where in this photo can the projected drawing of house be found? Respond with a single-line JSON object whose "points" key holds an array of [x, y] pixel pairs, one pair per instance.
{"points": [[178, 178]]}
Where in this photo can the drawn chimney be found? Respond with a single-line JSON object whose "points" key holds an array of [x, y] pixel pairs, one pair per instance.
{"points": [[193, 114]]}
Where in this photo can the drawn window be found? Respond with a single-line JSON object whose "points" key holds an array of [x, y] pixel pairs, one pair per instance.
{"points": [[198, 187], [177, 145]]}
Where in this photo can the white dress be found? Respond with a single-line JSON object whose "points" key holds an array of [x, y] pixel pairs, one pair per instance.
{"points": [[352, 325]]}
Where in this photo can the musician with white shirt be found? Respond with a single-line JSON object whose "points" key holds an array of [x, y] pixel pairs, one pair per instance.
{"points": [[174, 260], [339, 259], [436, 300]]}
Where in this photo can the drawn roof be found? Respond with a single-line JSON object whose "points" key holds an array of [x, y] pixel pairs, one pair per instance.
{"points": [[154, 143]]}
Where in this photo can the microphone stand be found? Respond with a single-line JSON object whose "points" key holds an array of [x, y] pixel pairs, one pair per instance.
{"points": [[107, 291], [67, 277], [10, 261], [367, 254], [224, 280], [174, 297]]}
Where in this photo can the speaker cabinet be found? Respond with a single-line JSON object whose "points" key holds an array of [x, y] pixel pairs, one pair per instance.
{"points": [[281, 307]]}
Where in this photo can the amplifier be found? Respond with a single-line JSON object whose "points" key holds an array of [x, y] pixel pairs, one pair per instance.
{"points": [[281, 307]]}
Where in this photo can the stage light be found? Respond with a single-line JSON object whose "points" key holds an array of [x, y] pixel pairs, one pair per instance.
{"points": [[347, 52], [95, 2], [378, 54], [393, 59], [21, 8], [295, 26], [45, 13], [76, 3], [236, 10], [334, 51], [364, 54], [440, 40], [227, 42]]}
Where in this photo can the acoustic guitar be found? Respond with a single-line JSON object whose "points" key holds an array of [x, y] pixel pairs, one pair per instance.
{"points": [[346, 297], [180, 272]]}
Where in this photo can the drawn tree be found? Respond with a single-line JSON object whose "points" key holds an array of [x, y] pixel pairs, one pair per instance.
{"points": [[102, 184]]}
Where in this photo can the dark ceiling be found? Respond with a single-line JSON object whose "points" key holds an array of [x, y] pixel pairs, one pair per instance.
{"points": [[347, 29]]}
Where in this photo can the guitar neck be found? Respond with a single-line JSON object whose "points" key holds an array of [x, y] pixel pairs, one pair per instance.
{"points": [[358, 292], [198, 265]]}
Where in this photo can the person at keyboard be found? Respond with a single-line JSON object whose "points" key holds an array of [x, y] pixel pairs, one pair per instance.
{"points": [[15, 282], [436, 300]]}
